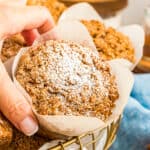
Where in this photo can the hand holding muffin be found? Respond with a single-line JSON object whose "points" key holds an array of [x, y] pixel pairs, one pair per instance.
{"points": [[31, 21]]}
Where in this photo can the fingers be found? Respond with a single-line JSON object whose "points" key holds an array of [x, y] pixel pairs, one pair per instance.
{"points": [[14, 106], [30, 36], [38, 17], [28, 18], [13, 2]]}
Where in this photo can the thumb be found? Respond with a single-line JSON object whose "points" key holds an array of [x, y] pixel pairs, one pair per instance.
{"points": [[13, 2], [14, 106]]}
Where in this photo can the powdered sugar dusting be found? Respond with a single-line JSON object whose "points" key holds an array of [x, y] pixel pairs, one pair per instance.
{"points": [[67, 78]]}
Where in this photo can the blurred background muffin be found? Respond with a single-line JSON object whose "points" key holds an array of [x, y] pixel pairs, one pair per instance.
{"points": [[110, 43], [11, 46], [12, 139], [23, 142], [6, 132]]}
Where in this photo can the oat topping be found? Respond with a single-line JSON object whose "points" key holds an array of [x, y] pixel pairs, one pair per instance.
{"points": [[64, 78], [110, 43]]}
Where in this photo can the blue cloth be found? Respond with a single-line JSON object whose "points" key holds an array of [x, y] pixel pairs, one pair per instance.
{"points": [[134, 131]]}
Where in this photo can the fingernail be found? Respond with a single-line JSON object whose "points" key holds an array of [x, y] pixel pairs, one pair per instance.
{"points": [[28, 126]]}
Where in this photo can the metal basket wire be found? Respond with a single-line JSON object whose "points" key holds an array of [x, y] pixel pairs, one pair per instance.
{"points": [[111, 135]]}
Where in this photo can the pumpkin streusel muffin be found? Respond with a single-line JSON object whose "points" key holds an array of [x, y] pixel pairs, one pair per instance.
{"points": [[12, 139], [110, 43], [23, 142], [55, 7], [11, 46], [6, 132], [64, 78]]}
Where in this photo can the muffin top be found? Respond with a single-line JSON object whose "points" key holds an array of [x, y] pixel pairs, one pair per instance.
{"points": [[64, 78], [110, 43]]}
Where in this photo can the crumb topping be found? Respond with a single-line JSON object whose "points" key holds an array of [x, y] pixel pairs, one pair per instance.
{"points": [[110, 43], [64, 78]]}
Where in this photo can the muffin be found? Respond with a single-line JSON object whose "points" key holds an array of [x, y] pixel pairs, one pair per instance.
{"points": [[12, 139], [110, 43], [55, 7], [11, 46], [6, 132], [64, 78], [23, 142]]}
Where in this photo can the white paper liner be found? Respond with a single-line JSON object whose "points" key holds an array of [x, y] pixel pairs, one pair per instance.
{"points": [[137, 36], [84, 11], [72, 31], [75, 146], [8, 65], [114, 21], [80, 11], [77, 125], [50, 144]]}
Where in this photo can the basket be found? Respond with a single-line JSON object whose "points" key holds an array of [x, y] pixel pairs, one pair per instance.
{"points": [[96, 140]]}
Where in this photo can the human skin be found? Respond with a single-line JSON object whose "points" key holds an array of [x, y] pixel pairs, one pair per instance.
{"points": [[31, 21]]}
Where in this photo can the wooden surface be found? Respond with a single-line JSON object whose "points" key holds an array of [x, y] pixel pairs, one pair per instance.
{"points": [[143, 66], [91, 1]]}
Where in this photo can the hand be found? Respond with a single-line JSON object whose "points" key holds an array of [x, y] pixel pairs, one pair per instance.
{"points": [[31, 21]]}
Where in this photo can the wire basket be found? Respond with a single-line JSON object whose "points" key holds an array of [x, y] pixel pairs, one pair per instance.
{"points": [[96, 140]]}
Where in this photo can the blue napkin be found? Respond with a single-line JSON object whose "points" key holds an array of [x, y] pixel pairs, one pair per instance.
{"points": [[134, 132]]}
